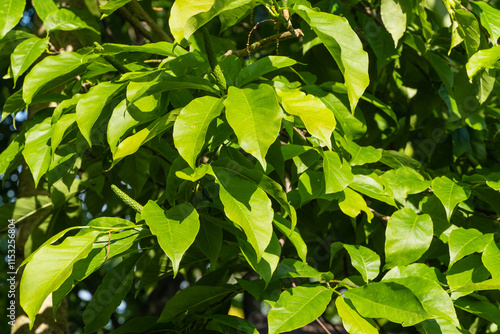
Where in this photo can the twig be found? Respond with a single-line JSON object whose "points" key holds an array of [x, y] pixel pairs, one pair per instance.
{"points": [[379, 215], [323, 326], [300, 133], [370, 13], [478, 214], [262, 43], [135, 23], [155, 27], [251, 31]]}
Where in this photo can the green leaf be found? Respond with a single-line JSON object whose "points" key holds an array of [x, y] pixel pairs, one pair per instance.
{"points": [[353, 203], [209, 240], [11, 12], [491, 259], [436, 302], [64, 19], [12, 155], [352, 321], [25, 54], [51, 72], [44, 8], [405, 181], [490, 18], [414, 269], [294, 235], [175, 228], [191, 126], [366, 261], [479, 306], [242, 325], [298, 307], [317, 118], [464, 272], [261, 67], [131, 144], [338, 173], [491, 284], [159, 48], [345, 47], [267, 264], [466, 241], [468, 30], [394, 15], [449, 193], [37, 151], [194, 298], [91, 105], [161, 81], [120, 242], [255, 116], [109, 7], [136, 325], [291, 268], [391, 301], [408, 236], [49, 267], [372, 186], [109, 294], [182, 11], [59, 129], [249, 207], [261, 180], [482, 59], [361, 155]]}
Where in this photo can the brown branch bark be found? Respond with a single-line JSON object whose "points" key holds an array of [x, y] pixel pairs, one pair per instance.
{"points": [[132, 19], [262, 43], [162, 34]]}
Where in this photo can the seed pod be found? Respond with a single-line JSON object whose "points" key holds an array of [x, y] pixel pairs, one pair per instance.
{"points": [[212, 60], [127, 199]]}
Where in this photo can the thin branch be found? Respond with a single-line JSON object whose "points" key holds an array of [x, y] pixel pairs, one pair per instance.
{"points": [[379, 215], [135, 23], [369, 13], [323, 326], [162, 34], [479, 214], [262, 43]]}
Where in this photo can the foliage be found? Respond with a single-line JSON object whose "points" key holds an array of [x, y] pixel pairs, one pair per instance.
{"points": [[350, 167]]}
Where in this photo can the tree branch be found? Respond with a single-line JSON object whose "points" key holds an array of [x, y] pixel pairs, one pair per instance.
{"points": [[135, 23], [154, 27], [262, 43]]}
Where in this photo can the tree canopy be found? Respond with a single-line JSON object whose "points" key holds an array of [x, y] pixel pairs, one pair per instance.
{"points": [[252, 166]]}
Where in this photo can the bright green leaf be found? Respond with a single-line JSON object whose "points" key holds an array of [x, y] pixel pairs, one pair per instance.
{"points": [[482, 59], [431, 295], [109, 7], [298, 307], [11, 12], [345, 47], [37, 151], [466, 241], [64, 19], [338, 173], [490, 19], [353, 203], [51, 72], [249, 207], [49, 268], [267, 264], [25, 54], [449, 193], [255, 116], [366, 261], [352, 321], [191, 126], [405, 181], [491, 259], [91, 105], [294, 235], [317, 118], [181, 13], [391, 301], [44, 8], [408, 236], [394, 15], [175, 228]]}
